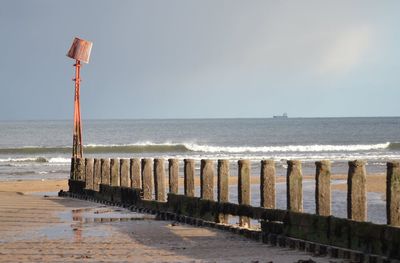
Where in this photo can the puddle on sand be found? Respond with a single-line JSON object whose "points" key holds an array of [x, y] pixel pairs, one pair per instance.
{"points": [[103, 214], [82, 223], [43, 194]]}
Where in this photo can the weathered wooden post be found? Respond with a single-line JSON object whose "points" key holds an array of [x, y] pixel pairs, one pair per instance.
{"points": [[323, 188], [173, 175], [267, 184], [114, 172], [189, 177], [147, 183], [294, 180], [207, 179], [223, 188], [89, 173], [73, 169], [356, 191], [80, 169], [124, 173], [135, 173], [96, 174], [244, 189], [393, 193], [159, 180], [105, 171]]}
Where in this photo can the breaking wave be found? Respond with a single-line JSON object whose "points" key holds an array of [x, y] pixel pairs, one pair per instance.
{"points": [[92, 148], [189, 147], [23, 161], [394, 146]]}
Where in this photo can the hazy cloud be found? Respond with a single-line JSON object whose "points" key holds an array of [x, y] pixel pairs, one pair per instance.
{"points": [[347, 50]]}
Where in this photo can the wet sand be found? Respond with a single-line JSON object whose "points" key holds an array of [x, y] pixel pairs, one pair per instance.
{"points": [[43, 229]]}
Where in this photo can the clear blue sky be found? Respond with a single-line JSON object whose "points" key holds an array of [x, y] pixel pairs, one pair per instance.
{"points": [[201, 59]]}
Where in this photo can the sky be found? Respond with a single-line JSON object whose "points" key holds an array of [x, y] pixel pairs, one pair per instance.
{"points": [[201, 59]]}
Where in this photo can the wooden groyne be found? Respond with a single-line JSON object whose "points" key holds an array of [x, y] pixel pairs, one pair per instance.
{"points": [[141, 184]]}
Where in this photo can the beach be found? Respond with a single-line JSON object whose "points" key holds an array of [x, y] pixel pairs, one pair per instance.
{"points": [[36, 226]]}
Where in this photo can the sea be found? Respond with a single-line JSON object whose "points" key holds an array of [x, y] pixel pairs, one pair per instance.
{"points": [[31, 150]]}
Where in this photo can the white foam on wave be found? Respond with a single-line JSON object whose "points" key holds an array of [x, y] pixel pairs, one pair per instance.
{"points": [[288, 148], [59, 160]]}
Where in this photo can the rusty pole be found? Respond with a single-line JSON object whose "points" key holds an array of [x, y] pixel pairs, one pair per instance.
{"points": [[77, 147]]}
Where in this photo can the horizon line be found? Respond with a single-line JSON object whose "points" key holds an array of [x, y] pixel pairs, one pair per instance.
{"points": [[200, 118]]}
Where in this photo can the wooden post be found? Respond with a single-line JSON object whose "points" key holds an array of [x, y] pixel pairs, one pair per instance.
{"points": [[124, 173], [356, 193], [294, 180], [267, 184], [244, 189], [96, 174], [323, 188], [105, 171], [114, 172], [147, 183], [207, 180], [159, 180], [173, 175], [135, 173], [189, 177], [80, 169], [223, 188], [89, 173], [72, 173], [393, 193]]}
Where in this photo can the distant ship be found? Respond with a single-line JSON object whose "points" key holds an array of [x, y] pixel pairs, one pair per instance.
{"points": [[283, 116]]}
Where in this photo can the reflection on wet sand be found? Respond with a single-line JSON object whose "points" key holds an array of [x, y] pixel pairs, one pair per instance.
{"points": [[53, 229], [81, 219]]}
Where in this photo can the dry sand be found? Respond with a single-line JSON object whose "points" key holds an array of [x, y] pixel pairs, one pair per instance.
{"points": [[375, 183], [34, 186], [34, 228]]}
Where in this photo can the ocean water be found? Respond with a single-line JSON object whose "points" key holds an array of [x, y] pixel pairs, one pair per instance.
{"points": [[42, 149]]}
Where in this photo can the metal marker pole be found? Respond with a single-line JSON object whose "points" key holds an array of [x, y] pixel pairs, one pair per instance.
{"points": [[77, 149]]}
